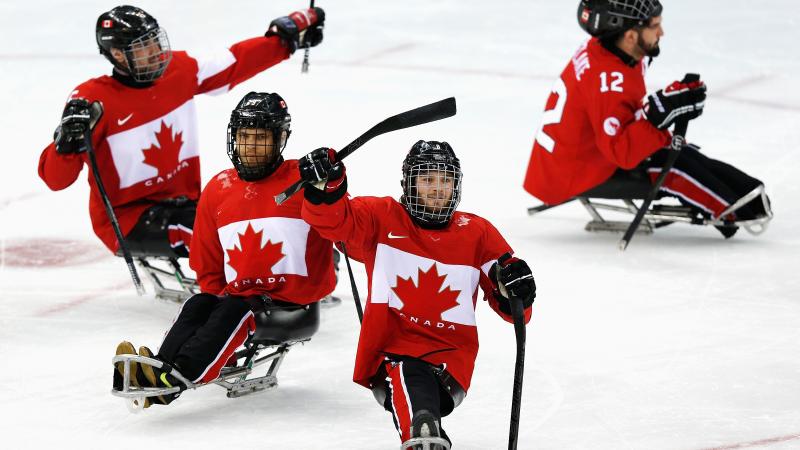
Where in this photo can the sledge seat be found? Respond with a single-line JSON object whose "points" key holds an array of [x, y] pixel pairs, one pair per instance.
{"points": [[282, 322], [623, 184]]}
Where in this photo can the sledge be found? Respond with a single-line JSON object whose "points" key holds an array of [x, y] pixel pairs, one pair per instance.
{"points": [[279, 327], [633, 186]]}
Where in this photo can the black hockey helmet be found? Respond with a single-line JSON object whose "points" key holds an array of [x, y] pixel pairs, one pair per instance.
{"points": [[424, 159], [602, 18], [255, 154], [135, 33]]}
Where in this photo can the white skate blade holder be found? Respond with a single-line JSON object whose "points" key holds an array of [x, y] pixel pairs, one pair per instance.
{"points": [[426, 443], [136, 395]]}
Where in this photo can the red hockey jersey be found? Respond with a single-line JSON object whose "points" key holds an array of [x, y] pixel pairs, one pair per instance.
{"points": [[423, 284], [146, 141], [593, 124], [245, 244]]}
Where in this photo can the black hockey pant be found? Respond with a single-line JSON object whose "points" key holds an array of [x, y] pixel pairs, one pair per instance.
{"points": [[207, 331], [410, 385], [164, 229], [706, 183]]}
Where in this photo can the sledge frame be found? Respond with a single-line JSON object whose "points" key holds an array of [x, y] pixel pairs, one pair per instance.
{"points": [[660, 215], [179, 287], [233, 379]]}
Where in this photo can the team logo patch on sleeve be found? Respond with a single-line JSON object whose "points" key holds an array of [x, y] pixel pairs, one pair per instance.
{"points": [[611, 126]]}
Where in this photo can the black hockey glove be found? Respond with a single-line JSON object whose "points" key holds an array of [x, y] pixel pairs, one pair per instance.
{"points": [[514, 279], [299, 28], [680, 100], [79, 117], [325, 176]]}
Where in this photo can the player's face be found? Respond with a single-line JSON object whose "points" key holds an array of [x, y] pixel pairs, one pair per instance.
{"points": [[255, 146], [435, 190], [650, 36], [147, 55]]}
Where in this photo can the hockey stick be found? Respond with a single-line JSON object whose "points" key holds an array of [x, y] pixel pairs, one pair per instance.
{"points": [[678, 142], [126, 253], [304, 67], [518, 313], [417, 116], [356, 297], [544, 207], [519, 367]]}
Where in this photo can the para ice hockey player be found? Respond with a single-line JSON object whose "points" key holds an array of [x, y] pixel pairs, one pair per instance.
{"points": [[595, 122], [424, 261], [143, 127], [246, 251]]}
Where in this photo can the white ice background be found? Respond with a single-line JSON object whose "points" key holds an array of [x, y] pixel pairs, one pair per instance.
{"points": [[685, 341]]}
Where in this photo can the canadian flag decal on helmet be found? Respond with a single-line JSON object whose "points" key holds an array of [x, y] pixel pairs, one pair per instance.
{"points": [[585, 15], [108, 23]]}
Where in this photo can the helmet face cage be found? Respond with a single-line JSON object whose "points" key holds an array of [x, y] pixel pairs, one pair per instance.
{"points": [[635, 9], [138, 36], [255, 150], [602, 18], [258, 130], [148, 55], [431, 183]]}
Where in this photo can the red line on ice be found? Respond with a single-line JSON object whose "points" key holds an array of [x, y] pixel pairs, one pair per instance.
{"points": [[775, 440], [741, 84], [761, 103], [34, 56], [382, 53], [61, 307], [442, 70]]}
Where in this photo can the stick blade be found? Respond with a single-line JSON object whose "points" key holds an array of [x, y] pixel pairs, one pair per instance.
{"points": [[417, 116], [430, 113]]}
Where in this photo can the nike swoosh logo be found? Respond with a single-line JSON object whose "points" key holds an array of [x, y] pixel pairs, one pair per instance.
{"points": [[393, 236], [122, 121]]}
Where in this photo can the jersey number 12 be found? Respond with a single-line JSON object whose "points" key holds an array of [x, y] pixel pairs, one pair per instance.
{"points": [[616, 82]]}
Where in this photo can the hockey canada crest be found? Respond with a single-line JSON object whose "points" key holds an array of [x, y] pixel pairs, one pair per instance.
{"points": [[253, 262], [165, 156], [425, 302]]}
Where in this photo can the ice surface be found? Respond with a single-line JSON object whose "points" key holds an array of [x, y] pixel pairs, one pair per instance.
{"points": [[685, 341]]}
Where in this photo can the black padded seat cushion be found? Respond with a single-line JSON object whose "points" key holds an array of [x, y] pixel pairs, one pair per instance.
{"points": [[284, 322], [624, 184]]}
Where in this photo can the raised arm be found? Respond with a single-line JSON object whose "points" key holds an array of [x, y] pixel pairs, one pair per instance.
{"points": [[219, 73], [327, 208]]}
